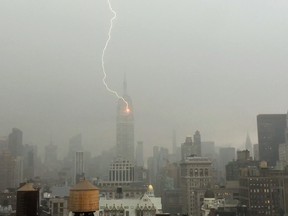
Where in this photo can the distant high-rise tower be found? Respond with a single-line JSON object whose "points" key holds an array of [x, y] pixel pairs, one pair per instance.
{"points": [[189, 147], [271, 133], [197, 143], [139, 154], [50, 158], [174, 143], [125, 127], [256, 152], [75, 144], [248, 144], [15, 143], [79, 167]]}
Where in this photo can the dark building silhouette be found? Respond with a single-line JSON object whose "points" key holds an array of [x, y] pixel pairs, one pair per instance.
{"points": [[27, 201], [29, 157], [191, 147], [233, 167], [15, 142], [125, 127], [248, 144], [271, 133], [197, 143]]}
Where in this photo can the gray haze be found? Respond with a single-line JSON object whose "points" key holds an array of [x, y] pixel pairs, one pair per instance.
{"points": [[190, 64]]}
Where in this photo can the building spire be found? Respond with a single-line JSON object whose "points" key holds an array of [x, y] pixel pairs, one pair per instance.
{"points": [[124, 85], [248, 144]]}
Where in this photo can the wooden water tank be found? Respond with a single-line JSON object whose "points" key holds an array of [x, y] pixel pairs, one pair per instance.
{"points": [[84, 197]]}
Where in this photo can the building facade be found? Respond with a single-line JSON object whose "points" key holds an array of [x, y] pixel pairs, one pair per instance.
{"points": [[15, 142], [125, 127], [264, 191], [271, 133], [196, 177], [191, 147], [121, 171], [145, 205], [79, 166], [139, 154]]}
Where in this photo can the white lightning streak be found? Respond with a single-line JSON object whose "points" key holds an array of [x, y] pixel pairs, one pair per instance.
{"points": [[103, 55]]}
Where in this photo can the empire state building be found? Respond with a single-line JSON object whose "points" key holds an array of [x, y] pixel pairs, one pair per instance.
{"points": [[125, 127]]}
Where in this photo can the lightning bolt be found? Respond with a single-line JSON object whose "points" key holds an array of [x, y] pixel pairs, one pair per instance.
{"points": [[103, 56]]}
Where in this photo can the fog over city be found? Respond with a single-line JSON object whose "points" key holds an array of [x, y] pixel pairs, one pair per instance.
{"points": [[211, 66]]}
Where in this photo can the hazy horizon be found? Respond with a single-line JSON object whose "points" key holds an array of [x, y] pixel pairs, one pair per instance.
{"points": [[211, 66]]}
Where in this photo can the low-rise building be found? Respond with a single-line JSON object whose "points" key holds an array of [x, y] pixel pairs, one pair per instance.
{"points": [[146, 205]]}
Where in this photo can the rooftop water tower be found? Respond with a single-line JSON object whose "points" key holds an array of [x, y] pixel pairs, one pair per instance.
{"points": [[84, 199]]}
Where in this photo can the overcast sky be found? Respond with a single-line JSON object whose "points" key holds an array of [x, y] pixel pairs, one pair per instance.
{"points": [[211, 65]]}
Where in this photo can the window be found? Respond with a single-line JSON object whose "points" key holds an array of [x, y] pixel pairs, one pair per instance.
{"points": [[191, 172], [201, 172], [206, 172]]}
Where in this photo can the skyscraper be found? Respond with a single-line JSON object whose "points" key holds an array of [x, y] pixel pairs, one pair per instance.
{"points": [[79, 167], [15, 143], [197, 143], [189, 147], [75, 144], [271, 133], [51, 160], [248, 144], [226, 154], [125, 127], [196, 177], [139, 154]]}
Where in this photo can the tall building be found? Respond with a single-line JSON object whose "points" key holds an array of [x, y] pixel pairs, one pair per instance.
{"points": [[11, 170], [29, 158], [197, 143], [271, 133], [190, 147], [208, 149], [51, 160], [125, 127], [174, 143], [248, 144], [196, 177], [75, 144], [256, 152], [226, 154], [18, 171], [139, 154], [283, 152], [15, 142], [186, 148], [79, 167], [3, 144]]}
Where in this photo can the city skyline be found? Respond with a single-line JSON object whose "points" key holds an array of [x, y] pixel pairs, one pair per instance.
{"points": [[199, 66]]}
